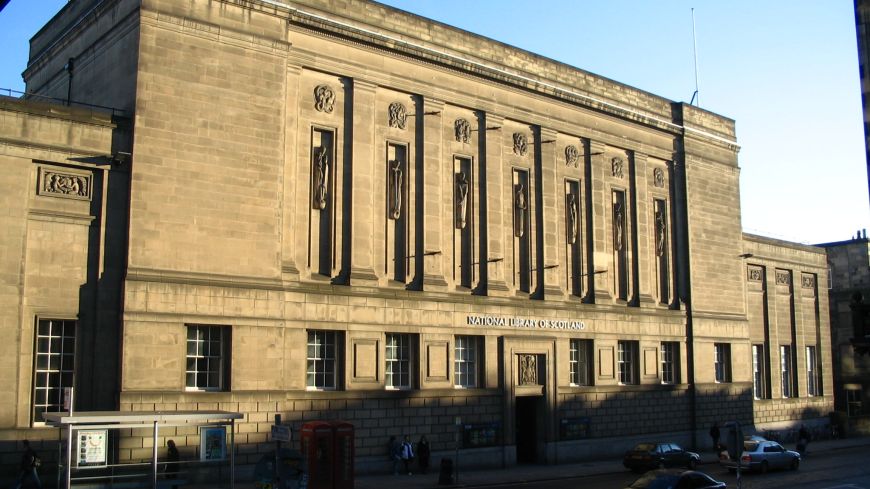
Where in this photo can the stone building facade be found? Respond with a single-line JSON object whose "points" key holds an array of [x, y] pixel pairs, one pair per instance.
{"points": [[339, 210]]}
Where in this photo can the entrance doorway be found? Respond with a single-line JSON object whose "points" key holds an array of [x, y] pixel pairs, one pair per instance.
{"points": [[526, 429]]}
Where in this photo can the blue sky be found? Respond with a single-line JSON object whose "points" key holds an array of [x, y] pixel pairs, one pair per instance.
{"points": [[785, 70]]}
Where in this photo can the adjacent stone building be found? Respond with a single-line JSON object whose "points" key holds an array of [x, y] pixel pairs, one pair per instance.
{"points": [[339, 210]]}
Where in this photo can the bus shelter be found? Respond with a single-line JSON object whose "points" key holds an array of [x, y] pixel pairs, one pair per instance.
{"points": [[85, 449]]}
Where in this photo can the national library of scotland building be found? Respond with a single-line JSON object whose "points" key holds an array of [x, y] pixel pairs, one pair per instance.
{"points": [[335, 210]]}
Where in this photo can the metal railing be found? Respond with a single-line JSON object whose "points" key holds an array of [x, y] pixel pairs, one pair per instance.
{"points": [[8, 92]]}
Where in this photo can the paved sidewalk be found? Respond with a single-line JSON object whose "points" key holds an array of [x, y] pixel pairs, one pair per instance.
{"points": [[521, 473]]}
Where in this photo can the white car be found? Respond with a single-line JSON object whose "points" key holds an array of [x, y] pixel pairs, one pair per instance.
{"points": [[763, 455]]}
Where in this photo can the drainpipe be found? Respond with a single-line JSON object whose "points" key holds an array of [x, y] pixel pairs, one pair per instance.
{"points": [[68, 67]]}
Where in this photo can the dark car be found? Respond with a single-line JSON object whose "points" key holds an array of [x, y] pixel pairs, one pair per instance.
{"points": [[650, 455], [763, 456], [676, 479]]}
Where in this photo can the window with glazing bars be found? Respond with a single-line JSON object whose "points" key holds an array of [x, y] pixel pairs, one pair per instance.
{"points": [[722, 361], [55, 364], [398, 359], [785, 370], [207, 357], [580, 362], [670, 362], [627, 361], [322, 360], [812, 372], [465, 361], [759, 389]]}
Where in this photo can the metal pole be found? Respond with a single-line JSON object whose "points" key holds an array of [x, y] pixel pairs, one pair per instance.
{"points": [[232, 454], [695, 54], [154, 459], [68, 469]]}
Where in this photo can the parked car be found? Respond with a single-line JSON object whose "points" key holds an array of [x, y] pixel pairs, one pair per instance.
{"points": [[763, 456], [652, 455], [676, 479]]}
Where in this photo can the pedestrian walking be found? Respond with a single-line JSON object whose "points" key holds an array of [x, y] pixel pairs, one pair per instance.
{"points": [[423, 454], [803, 440], [395, 450], [714, 434], [407, 454], [27, 470], [172, 459]]}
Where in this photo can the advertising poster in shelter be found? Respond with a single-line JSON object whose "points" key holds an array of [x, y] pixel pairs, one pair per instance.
{"points": [[213, 443], [92, 448]]}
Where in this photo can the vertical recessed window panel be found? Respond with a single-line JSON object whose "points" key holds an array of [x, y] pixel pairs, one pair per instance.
{"points": [[207, 358], [54, 364], [466, 361], [670, 362], [398, 359], [759, 389], [812, 372], [322, 360], [722, 362], [580, 362], [627, 362], [785, 370]]}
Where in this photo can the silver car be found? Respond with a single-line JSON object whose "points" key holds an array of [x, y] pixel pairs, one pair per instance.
{"points": [[764, 455]]}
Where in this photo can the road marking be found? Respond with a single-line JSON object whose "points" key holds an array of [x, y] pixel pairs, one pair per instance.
{"points": [[845, 486]]}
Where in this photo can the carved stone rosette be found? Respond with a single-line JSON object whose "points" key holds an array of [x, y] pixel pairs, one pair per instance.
{"points": [[521, 144], [783, 277], [324, 99], [462, 130], [753, 274], [66, 185], [528, 365], [398, 115], [616, 165], [572, 155], [659, 178]]}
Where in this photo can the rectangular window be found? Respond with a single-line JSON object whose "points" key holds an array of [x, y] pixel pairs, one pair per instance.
{"points": [[670, 362], [785, 370], [759, 387], [466, 361], [812, 372], [853, 402], [322, 360], [208, 361], [722, 361], [627, 361], [581, 362], [55, 364], [398, 358]]}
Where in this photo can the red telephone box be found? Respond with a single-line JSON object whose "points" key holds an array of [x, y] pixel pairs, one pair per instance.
{"points": [[318, 449], [343, 436], [328, 448]]}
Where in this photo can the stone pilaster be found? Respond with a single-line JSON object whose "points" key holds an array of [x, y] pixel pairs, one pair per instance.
{"points": [[599, 242], [645, 252], [292, 234], [498, 225], [364, 172], [437, 189], [552, 217]]}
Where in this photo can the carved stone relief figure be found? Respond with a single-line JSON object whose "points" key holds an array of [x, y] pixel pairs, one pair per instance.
{"points": [[520, 206], [65, 185], [528, 370], [572, 155], [783, 277], [521, 144], [660, 232], [321, 177], [461, 199], [616, 166], [808, 281], [395, 189], [324, 99], [463, 130], [572, 218], [398, 115], [618, 225], [659, 178]]}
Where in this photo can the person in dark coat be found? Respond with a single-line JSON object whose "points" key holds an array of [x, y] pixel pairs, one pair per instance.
{"points": [[714, 434], [423, 454], [27, 470], [395, 450], [172, 459]]}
